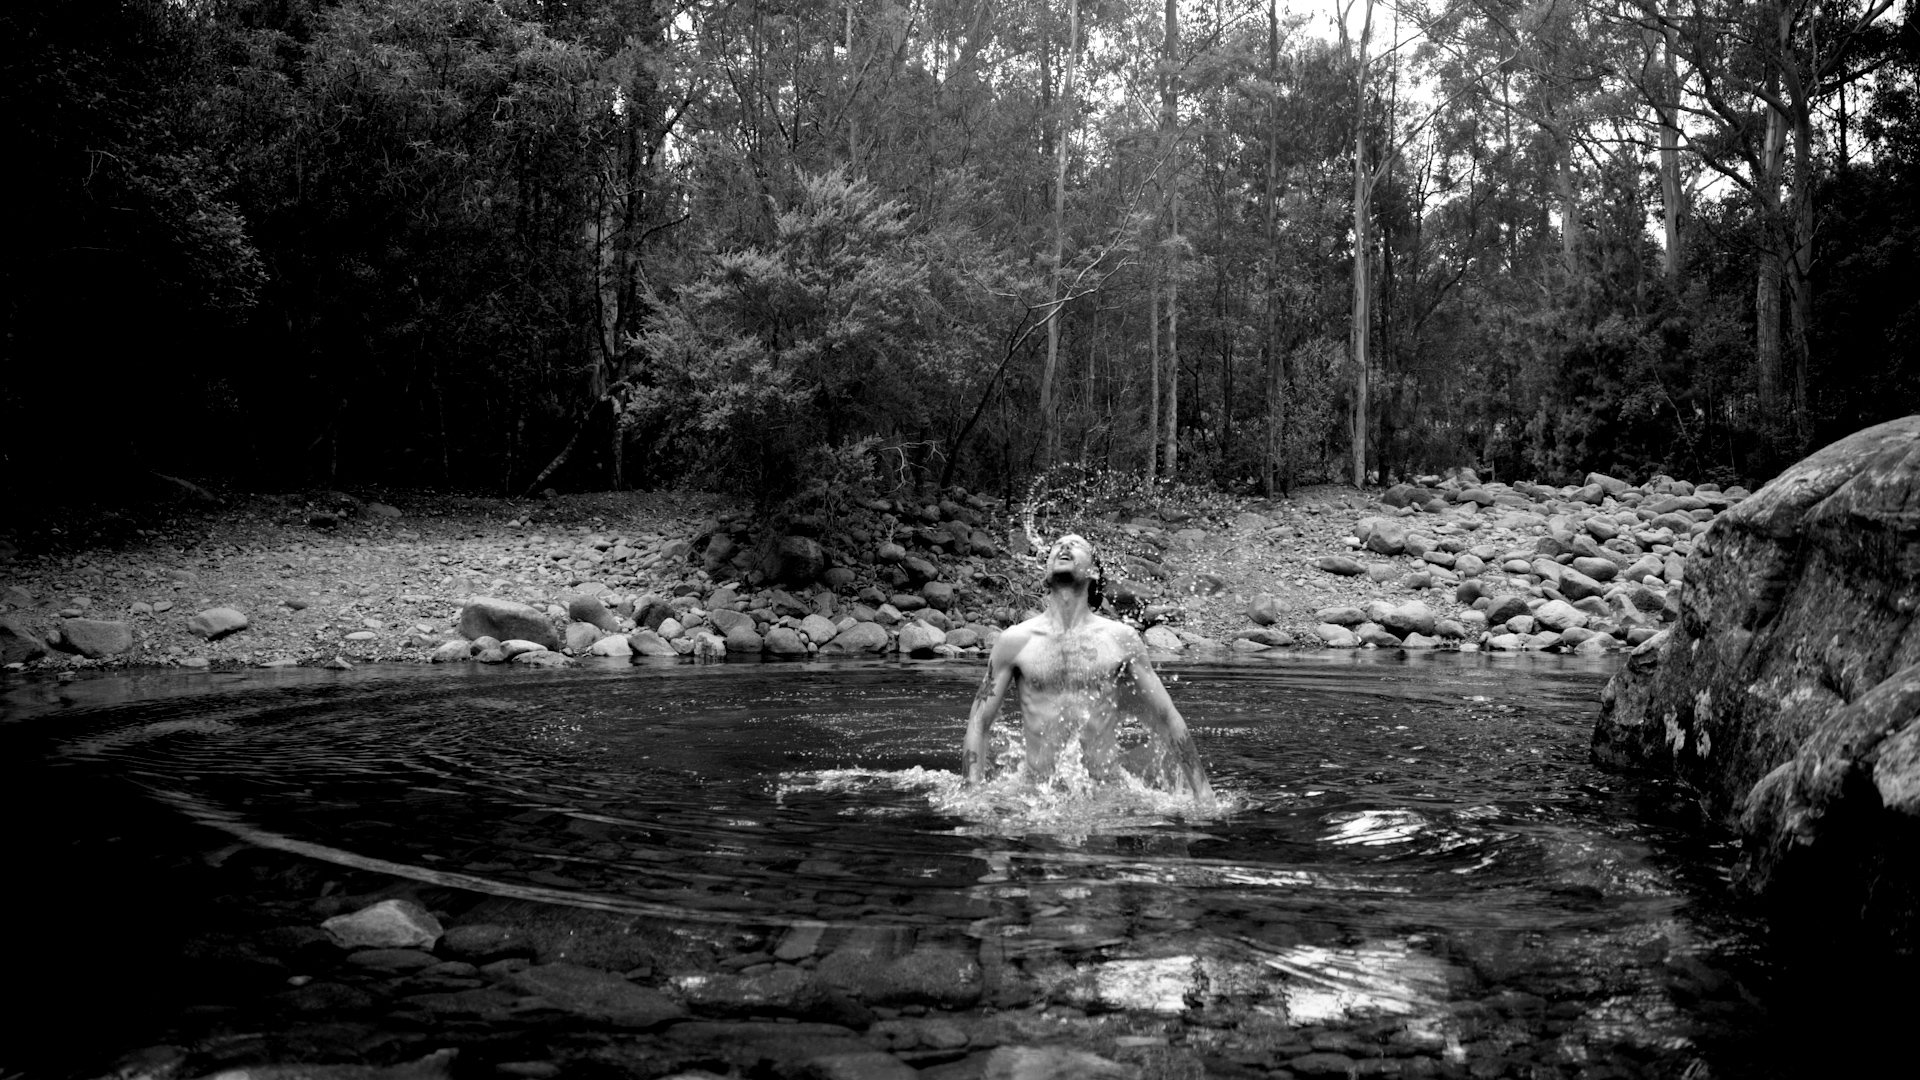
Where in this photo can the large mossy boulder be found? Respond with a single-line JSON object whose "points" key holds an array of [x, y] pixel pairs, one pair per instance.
{"points": [[1786, 694]]}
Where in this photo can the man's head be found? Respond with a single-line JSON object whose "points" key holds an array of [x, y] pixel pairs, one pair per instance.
{"points": [[1073, 560]]}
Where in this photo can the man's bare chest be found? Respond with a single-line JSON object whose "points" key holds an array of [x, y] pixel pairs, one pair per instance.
{"points": [[1068, 662]]}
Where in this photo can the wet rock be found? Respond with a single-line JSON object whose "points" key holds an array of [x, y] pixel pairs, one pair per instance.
{"points": [[505, 620], [453, 651], [216, 623], [393, 961], [614, 645], [545, 658], [919, 639], [391, 924], [781, 991], [1785, 685], [647, 643], [947, 977], [1161, 637], [1378, 636], [744, 639], [581, 636], [435, 1066], [818, 629], [785, 641], [862, 637], [596, 995], [1052, 1063], [484, 943], [1337, 636], [1412, 617], [97, 638]]}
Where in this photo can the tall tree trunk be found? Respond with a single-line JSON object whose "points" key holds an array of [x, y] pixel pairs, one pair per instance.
{"points": [[1169, 124], [1799, 264], [1050, 422], [1671, 193], [1362, 210], [1153, 376], [1270, 452], [1775, 250]]}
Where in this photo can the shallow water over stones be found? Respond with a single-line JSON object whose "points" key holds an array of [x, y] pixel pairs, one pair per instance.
{"points": [[770, 870]]}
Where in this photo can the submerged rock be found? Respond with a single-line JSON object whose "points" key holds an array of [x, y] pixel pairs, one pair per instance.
{"points": [[1787, 694], [389, 924]]}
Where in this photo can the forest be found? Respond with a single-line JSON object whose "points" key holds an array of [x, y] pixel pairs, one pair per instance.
{"points": [[772, 246]]}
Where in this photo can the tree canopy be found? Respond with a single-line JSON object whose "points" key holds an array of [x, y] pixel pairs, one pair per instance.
{"points": [[499, 244]]}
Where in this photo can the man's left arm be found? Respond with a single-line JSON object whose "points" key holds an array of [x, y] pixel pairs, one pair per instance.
{"points": [[1155, 707]]}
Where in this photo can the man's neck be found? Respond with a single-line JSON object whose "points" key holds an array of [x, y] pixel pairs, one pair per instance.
{"points": [[1067, 604]]}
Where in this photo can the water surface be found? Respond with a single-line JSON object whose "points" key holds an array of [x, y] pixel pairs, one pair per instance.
{"points": [[1411, 848]]}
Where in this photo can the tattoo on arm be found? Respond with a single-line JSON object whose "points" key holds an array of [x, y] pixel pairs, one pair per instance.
{"points": [[985, 692]]}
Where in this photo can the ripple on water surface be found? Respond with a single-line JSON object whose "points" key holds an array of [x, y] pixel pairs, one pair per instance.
{"points": [[1390, 839]]}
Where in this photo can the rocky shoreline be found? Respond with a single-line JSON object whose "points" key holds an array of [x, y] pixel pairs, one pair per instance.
{"points": [[332, 580]]}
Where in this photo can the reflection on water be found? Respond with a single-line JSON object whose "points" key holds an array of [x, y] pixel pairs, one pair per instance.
{"points": [[1421, 843]]}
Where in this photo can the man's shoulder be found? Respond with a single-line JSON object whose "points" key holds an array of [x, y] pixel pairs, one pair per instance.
{"points": [[1115, 629]]}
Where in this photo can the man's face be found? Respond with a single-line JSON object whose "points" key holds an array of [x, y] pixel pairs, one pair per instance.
{"points": [[1071, 557]]}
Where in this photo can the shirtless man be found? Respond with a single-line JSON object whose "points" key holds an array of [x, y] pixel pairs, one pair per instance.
{"points": [[1079, 674]]}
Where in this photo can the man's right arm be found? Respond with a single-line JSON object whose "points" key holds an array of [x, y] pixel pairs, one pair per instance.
{"points": [[986, 706]]}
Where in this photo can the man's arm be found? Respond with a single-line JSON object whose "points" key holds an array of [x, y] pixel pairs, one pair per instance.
{"points": [[986, 706], [1156, 709]]}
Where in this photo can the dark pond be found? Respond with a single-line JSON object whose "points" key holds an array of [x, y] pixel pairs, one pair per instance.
{"points": [[1416, 872]]}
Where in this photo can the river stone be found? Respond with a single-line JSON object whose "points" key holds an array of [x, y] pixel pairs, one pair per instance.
{"points": [[1790, 677], [818, 629], [785, 641], [542, 658], [216, 623], [97, 638], [1507, 642], [744, 639], [1377, 636], [1559, 615], [861, 637], [1385, 535], [919, 639], [1596, 568], [645, 642], [389, 924], [1412, 617], [781, 991], [588, 608], [581, 636], [596, 995], [1341, 616], [1506, 607], [727, 619], [937, 594], [940, 976], [486, 616], [1161, 637], [612, 645], [18, 642], [453, 651], [1264, 609], [794, 560], [1339, 564]]}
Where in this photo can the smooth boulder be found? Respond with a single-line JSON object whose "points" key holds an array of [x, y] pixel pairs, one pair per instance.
{"points": [[486, 616], [1787, 696]]}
